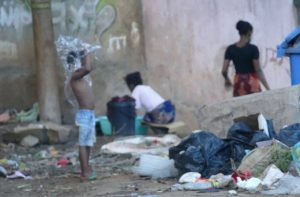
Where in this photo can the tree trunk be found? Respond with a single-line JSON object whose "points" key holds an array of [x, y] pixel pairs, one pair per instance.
{"points": [[45, 55]]}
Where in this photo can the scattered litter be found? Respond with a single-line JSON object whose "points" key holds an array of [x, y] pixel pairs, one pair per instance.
{"points": [[198, 185], [232, 192], [271, 175], [3, 172], [220, 180], [53, 152], [286, 185], [29, 141], [24, 186], [190, 177], [17, 175], [12, 163], [263, 125], [177, 187], [30, 115], [294, 168], [260, 158], [142, 144], [43, 154], [64, 162], [155, 166], [4, 117], [250, 184], [242, 174]]}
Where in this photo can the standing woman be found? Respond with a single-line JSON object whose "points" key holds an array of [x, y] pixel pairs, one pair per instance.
{"points": [[245, 57]]}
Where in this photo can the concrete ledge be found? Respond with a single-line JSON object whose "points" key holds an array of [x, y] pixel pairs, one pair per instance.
{"points": [[281, 105]]}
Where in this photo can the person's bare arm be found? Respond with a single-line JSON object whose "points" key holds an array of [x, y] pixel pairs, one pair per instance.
{"points": [[260, 74], [84, 70], [225, 73]]}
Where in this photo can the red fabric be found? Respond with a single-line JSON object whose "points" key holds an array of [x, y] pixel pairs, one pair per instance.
{"points": [[246, 84], [243, 175], [63, 162]]}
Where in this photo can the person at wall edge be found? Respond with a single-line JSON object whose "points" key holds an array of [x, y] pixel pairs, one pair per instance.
{"points": [[245, 57]]}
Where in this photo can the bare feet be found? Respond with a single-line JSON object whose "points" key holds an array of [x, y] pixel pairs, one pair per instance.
{"points": [[91, 176]]}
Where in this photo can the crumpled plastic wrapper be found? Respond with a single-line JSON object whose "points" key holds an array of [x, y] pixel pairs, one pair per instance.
{"points": [[71, 50]]}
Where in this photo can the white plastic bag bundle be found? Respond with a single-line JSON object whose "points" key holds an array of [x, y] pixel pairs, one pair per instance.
{"points": [[156, 167], [271, 175], [190, 177]]}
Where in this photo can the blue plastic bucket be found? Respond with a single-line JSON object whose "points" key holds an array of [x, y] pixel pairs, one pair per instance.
{"points": [[140, 129], [105, 125]]}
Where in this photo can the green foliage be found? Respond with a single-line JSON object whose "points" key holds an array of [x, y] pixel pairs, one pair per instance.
{"points": [[103, 3], [282, 158]]}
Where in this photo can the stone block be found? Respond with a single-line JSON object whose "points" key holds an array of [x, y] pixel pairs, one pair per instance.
{"points": [[46, 132]]}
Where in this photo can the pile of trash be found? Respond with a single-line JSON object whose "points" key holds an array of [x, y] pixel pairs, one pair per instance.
{"points": [[13, 116], [251, 158]]}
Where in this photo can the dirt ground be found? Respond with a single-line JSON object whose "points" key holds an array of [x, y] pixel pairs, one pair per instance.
{"points": [[114, 176]]}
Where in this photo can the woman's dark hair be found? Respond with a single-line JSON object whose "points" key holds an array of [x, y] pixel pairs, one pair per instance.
{"points": [[134, 79], [243, 27]]}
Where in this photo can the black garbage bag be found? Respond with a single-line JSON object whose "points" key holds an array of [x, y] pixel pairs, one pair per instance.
{"points": [[237, 151], [258, 137], [240, 138], [240, 132], [202, 152], [272, 132], [290, 135]]}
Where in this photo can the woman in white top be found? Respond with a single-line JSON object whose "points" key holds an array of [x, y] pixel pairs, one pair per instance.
{"points": [[158, 110]]}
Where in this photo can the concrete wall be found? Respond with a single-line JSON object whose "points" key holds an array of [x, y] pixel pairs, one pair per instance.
{"points": [[180, 54], [114, 24], [185, 43]]}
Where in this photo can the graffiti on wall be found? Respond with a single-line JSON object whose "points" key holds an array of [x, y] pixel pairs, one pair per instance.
{"points": [[105, 19], [91, 18], [8, 50], [14, 15], [270, 58], [77, 18], [83, 19], [117, 43], [135, 34]]}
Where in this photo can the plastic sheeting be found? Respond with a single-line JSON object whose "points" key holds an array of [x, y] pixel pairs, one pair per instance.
{"points": [[70, 51], [290, 135]]}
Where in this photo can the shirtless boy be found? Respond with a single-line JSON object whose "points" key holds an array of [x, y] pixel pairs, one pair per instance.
{"points": [[85, 117]]}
